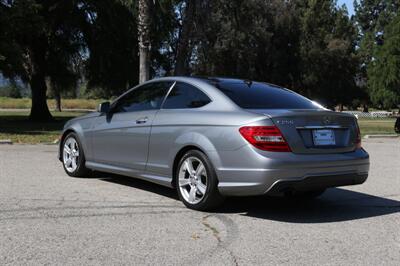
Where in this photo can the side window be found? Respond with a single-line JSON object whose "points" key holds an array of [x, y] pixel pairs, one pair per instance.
{"points": [[146, 97], [185, 96]]}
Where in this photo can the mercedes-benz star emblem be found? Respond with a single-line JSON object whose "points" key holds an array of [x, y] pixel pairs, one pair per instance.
{"points": [[326, 120]]}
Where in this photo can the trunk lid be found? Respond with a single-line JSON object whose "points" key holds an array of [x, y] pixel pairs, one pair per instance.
{"points": [[315, 131]]}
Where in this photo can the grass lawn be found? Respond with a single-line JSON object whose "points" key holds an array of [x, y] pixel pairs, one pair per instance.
{"points": [[17, 127], [376, 126], [25, 103]]}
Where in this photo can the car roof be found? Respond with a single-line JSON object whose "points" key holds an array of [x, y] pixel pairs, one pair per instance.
{"points": [[220, 79], [217, 80]]}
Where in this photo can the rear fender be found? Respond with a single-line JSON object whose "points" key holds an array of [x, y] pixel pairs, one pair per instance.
{"points": [[196, 140]]}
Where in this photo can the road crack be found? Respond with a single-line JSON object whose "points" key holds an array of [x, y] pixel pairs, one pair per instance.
{"points": [[212, 228], [231, 231]]}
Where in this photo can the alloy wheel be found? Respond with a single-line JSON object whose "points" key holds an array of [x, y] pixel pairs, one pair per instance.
{"points": [[192, 180], [71, 155]]}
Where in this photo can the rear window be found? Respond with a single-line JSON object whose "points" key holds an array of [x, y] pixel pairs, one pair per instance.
{"points": [[185, 96], [257, 95]]}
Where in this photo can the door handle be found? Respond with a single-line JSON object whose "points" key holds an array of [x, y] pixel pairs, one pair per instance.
{"points": [[141, 120]]}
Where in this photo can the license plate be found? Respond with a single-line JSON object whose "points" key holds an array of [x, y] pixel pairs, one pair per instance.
{"points": [[324, 137]]}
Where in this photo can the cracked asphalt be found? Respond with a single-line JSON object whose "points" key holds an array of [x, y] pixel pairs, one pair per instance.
{"points": [[47, 217]]}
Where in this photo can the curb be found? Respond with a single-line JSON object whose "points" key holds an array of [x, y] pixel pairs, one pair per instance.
{"points": [[6, 141], [387, 136]]}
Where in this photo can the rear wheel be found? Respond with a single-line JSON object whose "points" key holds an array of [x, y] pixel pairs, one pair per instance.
{"points": [[73, 156], [196, 182]]}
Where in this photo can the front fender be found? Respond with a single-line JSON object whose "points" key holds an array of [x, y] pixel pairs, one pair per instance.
{"points": [[83, 139]]}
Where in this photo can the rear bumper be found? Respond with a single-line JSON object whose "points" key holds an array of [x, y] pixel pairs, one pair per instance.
{"points": [[251, 172], [316, 182]]}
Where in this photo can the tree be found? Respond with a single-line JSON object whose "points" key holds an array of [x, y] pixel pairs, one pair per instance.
{"points": [[371, 18], [384, 69], [250, 39], [186, 37], [110, 63], [305, 45], [144, 18], [327, 58], [37, 38]]}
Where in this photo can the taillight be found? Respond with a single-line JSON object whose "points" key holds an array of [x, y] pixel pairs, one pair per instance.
{"points": [[267, 138], [358, 137]]}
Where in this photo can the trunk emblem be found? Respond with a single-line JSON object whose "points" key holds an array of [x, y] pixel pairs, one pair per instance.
{"points": [[326, 120], [285, 122]]}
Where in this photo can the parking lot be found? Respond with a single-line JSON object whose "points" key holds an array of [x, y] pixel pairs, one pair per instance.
{"points": [[47, 217]]}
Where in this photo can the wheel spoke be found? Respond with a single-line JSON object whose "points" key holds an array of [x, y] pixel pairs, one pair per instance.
{"points": [[76, 153], [199, 170], [73, 164], [189, 166], [192, 194], [68, 162], [202, 188], [184, 182], [67, 149]]}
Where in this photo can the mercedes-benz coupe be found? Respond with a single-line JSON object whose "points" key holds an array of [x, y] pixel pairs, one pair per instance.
{"points": [[214, 137]]}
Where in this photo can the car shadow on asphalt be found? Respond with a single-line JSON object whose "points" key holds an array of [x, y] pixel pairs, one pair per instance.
{"points": [[138, 184], [336, 204]]}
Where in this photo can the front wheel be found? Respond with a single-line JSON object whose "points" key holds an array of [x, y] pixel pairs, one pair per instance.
{"points": [[196, 182], [73, 156]]}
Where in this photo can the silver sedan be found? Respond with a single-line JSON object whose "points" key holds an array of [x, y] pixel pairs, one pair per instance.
{"points": [[212, 137]]}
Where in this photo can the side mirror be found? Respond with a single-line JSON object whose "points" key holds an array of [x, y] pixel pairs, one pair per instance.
{"points": [[104, 107]]}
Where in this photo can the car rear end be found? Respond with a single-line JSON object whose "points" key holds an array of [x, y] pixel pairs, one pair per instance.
{"points": [[298, 147]]}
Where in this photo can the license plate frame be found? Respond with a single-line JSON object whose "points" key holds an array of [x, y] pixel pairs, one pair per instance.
{"points": [[324, 137]]}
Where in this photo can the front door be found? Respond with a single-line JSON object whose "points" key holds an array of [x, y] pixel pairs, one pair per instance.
{"points": [[121, 137]]}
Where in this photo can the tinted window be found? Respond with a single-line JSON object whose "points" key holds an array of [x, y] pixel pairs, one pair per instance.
{"points": [[146, 97], [262, 96], [185, 96]]}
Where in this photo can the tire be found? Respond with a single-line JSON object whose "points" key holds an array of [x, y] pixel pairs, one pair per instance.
{"points": [[202, 179], [80, 170], [305, 195]]}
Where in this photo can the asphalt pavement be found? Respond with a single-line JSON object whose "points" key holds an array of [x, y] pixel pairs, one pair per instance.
{"points": [[47, 217]]}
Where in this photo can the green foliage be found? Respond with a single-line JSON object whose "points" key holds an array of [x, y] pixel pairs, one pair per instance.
{"points": [[39, 41], [305, 45], [111, 38], [11, 91], [311, 46], [384, 70], [371, 18], [327, 60]]}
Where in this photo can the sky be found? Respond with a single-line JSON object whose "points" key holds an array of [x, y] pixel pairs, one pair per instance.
{"points": [[349, 4]]}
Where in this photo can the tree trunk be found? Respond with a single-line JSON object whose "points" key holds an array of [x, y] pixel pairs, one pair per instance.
{"points": [[144, 40], [184, 49], [57, 97], [39, 109]]}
